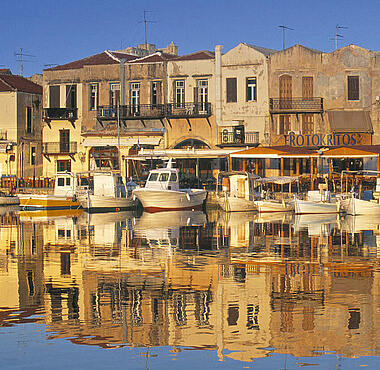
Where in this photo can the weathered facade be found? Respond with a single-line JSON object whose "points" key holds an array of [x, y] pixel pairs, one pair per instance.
{"points": [[20, 127], [323, 99]]}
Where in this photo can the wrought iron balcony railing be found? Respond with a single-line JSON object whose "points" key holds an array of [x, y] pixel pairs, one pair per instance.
{"points": [[188, 110], [233, 138], [70, 114], [141, 111], [59, 148], [295, 105]]}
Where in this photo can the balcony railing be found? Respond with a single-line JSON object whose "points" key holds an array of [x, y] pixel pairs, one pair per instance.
{"points": [[141, 111], [188, 110], [70, 114], [154, 111], [295, 105], [232, 138], [59, 148]]}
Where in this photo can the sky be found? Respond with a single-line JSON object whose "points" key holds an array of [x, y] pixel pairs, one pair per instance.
{"points": [[48, 33]]}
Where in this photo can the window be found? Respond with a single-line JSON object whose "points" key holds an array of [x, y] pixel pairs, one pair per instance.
{"points": [[64, 141], [29, 119], [284, 124], [71, 96], [54, 100], [231, 90], [179, 91], [173, 177], [353, 87], [251, 89], [202, 86], [164, 177], [156, 93], [135, 93], [114, 94], [93, 96], [33, 155], [308, 124], [63, 166]]}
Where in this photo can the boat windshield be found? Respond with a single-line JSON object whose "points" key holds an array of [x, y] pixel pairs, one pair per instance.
{"points": [[164, 176], [153, 176]]}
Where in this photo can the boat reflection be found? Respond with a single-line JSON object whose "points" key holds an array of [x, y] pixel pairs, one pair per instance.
{"points": [[237, 283]]}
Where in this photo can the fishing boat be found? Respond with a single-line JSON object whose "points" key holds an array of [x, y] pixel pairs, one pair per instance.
{"points": [[108, 193], [235, 191], [267, 202], [8, 199], [161, 192], [63, 197], [317, 202]]}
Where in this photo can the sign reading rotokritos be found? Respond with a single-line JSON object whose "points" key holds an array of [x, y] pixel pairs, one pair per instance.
{"points": [[318, 140]]}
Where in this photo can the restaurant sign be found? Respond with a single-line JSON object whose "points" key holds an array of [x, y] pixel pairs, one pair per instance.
{"points": [[318, 140]]}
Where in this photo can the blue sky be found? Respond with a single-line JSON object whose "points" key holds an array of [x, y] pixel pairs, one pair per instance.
{"points": [[58, 32]]}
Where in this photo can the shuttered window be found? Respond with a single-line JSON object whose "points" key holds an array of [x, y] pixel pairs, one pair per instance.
{"points": [[231, 90], [353, 87], [54, 97]]}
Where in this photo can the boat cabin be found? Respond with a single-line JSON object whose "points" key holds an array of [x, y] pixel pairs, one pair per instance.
{"points": [[109, 184], [163, 179], [66, 184], [238, 184]]}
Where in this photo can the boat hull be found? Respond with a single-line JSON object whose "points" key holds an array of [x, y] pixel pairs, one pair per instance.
{"points": [[154, 200], [36, 202], [234, 204], [9, 200], [272, 206], [101, 203], [354, 206], [311, 207]]}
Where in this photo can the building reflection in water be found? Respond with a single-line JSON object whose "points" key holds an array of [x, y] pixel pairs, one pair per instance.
{"points": [[235, 283]]}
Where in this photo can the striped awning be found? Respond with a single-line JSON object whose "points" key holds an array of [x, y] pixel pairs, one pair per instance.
{"points": [[114, 141]]}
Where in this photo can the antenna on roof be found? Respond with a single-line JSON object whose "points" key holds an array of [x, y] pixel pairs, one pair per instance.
{"points": [[337, 36], [283, 34], [145, 22], [20, 59]]}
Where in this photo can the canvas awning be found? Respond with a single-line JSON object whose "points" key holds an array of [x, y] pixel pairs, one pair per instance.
{"points": [[113, 141], [350, 121]]}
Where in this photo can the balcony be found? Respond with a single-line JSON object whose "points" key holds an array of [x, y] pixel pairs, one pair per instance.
{"points": [[295, 105], [232, 138], [59, 148], [128, 112], [69, 114], [188, 110]]}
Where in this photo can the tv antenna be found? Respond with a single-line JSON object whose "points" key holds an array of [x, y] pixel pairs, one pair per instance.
{"points": [[337, 36], [283, 34], [145, 21], [20, 55]]}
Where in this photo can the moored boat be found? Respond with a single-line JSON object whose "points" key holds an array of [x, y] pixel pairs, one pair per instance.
{"points": [[107, 194], [162, 192], [317, 202], [64, 196], [8, 199]]}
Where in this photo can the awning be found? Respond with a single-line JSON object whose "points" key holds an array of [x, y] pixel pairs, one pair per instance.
{"points": [[112, 141], [350, 121]]}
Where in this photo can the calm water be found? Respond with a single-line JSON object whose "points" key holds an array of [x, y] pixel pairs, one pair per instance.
{"points": [[189, 290]]}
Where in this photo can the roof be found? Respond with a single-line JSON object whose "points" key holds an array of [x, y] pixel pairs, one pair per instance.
{"points": [[350, 121], [5, 71], [262, 50], [199, 55], [18, 83], [107, 57], [154, 58]]}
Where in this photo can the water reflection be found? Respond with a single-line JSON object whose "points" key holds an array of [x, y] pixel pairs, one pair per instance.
{"points": [[237, 283]]}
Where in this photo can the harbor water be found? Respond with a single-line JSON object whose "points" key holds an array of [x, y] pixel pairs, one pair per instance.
{"points": [[189, 289]]}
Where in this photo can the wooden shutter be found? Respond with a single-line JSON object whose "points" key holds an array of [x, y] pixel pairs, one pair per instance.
{"points": [[353, 87], [307, 88], [286, 92], [54, 97], [231, 90]]}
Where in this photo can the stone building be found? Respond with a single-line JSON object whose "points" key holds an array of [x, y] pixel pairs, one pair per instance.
{"points": [[324, 99], [20, 126]]}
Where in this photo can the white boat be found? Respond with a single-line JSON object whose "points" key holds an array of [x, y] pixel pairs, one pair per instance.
{"points": [[317, 202], [235, 191], [162, 192], [8, 199], [107, 194], [354, 206], [267, 204], [64, 196]]}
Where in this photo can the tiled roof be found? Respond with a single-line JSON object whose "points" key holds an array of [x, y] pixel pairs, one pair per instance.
{"points": [[154, 58], [13, 83], [261, 50], [107, 57], [199, 55], [5, 71]]}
